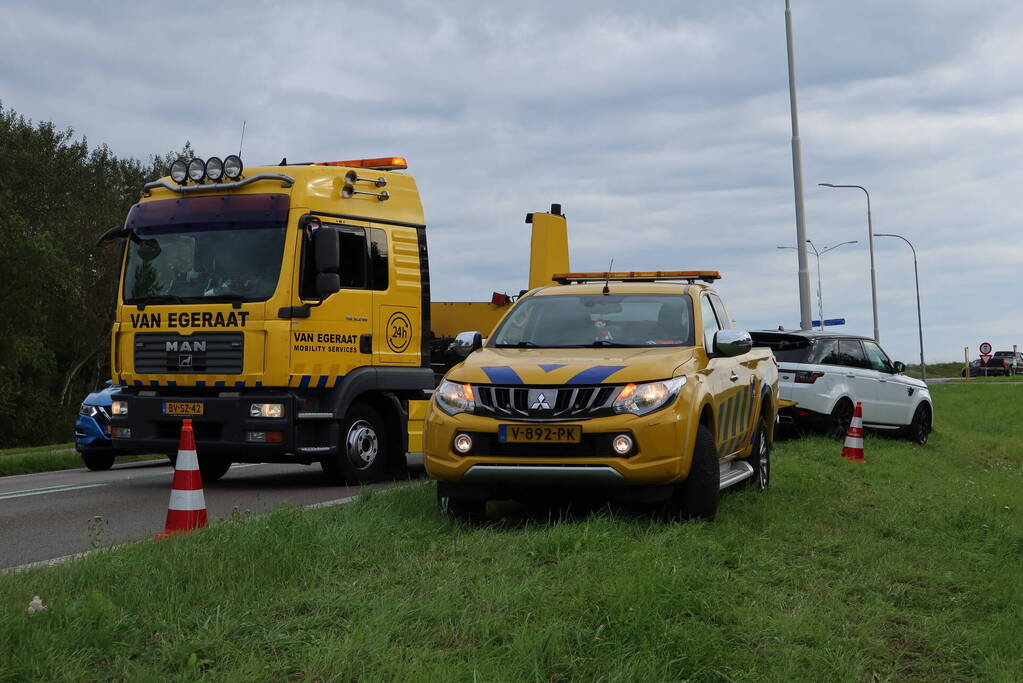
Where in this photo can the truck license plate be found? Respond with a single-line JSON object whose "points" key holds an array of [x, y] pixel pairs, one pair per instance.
{"points": [[182, 408], [539, 433]]}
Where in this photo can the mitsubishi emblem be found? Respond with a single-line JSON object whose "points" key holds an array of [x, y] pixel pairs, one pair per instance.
{"points": [[541, 403]]}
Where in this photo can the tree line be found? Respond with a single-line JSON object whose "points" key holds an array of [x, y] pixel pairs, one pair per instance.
{"points": [[57, 288]]}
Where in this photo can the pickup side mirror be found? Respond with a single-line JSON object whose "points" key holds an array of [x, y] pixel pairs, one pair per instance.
{"points": [[732, 342], [899, 367], [465, 343]]}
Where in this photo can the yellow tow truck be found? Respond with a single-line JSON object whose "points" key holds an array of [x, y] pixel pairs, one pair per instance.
{"points": [[628, 386], [286, 310]]}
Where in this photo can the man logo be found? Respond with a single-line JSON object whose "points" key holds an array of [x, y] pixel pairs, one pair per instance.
{"points": [[540, 403]]}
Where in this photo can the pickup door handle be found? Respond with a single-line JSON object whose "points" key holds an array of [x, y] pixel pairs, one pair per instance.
{"points": [[734, 377]]}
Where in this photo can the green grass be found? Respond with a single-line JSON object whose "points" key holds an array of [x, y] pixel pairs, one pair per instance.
{"points": [[906, 567], [49, 459]]}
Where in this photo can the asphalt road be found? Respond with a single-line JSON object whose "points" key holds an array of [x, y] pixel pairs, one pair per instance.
{"points": [[53, 514]]}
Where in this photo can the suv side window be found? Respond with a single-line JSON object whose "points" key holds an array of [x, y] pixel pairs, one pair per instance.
{"points": [[878, 359], [710, 323], [826, 353], [851, 353]]}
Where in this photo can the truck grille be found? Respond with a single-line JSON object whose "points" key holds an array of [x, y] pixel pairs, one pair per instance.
{"points": [[545, 403], [213, 353]]}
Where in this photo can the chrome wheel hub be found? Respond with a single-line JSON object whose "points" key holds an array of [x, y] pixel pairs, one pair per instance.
{"points": [[362, 445]]}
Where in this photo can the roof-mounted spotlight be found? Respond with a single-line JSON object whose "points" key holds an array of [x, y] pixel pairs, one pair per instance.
{"points": [[179, 171], [214, 169], [196, 170], [233, 167]]}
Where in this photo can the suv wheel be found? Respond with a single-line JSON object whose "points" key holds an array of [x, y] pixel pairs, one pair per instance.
{"points": [[920, 428], [841, 417], [98, 461], [697, 497]]}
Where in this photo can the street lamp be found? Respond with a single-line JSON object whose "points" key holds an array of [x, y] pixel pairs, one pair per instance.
{"points": [[818, 254], [919, 321], [873, 273]]}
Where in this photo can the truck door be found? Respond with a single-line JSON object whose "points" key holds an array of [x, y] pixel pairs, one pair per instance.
{"points": [[334, 339], [731, 382], [398, 296]]}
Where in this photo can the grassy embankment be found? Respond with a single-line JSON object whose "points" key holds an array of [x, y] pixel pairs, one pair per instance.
{"points": [[48, 459], [906, 567]]}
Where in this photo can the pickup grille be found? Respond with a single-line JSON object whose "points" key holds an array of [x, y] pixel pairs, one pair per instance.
{"points": [[213, 353], [545, 403]]}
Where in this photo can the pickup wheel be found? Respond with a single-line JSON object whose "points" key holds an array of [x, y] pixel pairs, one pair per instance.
{"points": [[841, 417], [760, 458], [213, 468], [362, 449], [697, 497], [464, 509], [920, 428], [98, 461]]}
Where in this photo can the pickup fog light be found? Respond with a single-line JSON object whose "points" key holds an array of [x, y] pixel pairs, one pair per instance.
{"points": [[264, 437], [640, 399], [463, 443], [622, 444], [266, 410], [455, 398], [118, 407], [120, 432]]}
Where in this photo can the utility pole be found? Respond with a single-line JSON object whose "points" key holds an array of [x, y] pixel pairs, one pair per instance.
{"points": [[797, 180]]}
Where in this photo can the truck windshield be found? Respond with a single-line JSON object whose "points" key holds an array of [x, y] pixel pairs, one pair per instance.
{"points": [[227, 251], [597, 320]]}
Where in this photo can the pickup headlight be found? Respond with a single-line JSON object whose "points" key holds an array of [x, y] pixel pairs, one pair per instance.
{"points": [[455, 398], [118, 407], [640, 399]]}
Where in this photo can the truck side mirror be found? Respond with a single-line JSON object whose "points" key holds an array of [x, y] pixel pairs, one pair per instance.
{"points": [[465, 343], [327, 284], [118, 232], [732, 342], [327, 250]]}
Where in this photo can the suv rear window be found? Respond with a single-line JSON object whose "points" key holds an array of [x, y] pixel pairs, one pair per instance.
{"points": [[786, 347]]}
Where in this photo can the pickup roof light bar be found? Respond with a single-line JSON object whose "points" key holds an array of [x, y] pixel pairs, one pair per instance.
{"points": [[639, 276], [383, 164]]}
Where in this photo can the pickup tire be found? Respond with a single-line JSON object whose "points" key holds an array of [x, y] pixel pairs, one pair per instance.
{"points": [[213, 468], [98, 461], [697, 497], [463, 509], [362, 449], [919, 429], [760, 458]]}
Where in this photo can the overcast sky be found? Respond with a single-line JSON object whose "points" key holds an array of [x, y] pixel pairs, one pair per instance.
{"points": [[661, 127]]}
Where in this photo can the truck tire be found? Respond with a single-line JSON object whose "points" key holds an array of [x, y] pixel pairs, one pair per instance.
{"points": [[841, 417], [919, 429], [463, 509], [697, 497], [213, 468], [98, 461], [362, 450], [760, 458]]}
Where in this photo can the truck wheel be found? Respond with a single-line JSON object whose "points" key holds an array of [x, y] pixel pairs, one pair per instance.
{"points": [[98, 461], [760, 458], [362, 449], [697, 497], [841, 417], [464, 509], [212, 468], [920, 428]]}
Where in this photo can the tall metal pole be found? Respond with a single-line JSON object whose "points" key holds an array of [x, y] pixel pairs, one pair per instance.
{"points": [[919, 319], [820, 296], [797, 180], [873, 272]]}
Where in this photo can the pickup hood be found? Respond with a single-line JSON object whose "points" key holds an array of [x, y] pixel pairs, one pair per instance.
{"points": [[571, 366]]}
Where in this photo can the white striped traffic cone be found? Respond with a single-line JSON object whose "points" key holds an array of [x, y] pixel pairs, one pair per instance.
{"points": [[853, 449], [187, 509]]}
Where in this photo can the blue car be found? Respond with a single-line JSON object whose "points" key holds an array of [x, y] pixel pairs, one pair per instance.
{"points": [[92, 429]]}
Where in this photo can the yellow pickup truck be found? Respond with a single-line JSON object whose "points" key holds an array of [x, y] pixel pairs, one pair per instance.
{"points": [[624, 386]]}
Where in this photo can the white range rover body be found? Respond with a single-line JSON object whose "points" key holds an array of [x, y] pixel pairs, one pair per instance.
{"points": [[827, 373]]}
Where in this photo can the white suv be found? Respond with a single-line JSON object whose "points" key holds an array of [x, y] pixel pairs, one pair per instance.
{"points": [[827, 373]]}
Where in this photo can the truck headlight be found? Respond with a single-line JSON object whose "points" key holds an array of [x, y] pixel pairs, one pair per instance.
{"points": [[118, 407], [455, 398], [640, 399], [266, 410]]}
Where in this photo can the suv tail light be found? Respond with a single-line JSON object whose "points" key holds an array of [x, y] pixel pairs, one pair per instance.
{"points": [[807, 376]]}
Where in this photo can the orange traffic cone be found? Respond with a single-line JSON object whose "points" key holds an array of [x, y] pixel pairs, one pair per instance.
{"points": [[853, 449], [187, 508]]}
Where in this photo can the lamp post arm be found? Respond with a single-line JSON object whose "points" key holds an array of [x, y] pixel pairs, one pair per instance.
{"points": [[919, 317]]}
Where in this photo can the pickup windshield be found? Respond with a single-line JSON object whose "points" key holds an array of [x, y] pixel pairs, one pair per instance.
{"points": [[194, 250], [596, 321]]}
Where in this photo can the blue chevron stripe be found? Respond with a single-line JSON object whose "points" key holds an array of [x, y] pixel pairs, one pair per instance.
{"points": [[501, 374], [595, 375]]}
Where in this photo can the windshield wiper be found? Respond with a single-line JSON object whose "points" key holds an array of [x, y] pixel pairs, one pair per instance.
{"points": [[603, 342], [156, 299], [517, 345], [222, 297]]}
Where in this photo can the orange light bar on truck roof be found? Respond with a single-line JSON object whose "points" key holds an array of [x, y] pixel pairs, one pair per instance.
{"points": [[639, 276], [382, 164]]}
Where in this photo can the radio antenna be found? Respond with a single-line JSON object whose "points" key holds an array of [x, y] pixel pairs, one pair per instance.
{"points": [[242, 141], [608, 273]]}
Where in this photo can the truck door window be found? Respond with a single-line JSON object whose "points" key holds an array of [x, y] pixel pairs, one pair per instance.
{"points": [[377, 258], [354, 262], [710, 323]]}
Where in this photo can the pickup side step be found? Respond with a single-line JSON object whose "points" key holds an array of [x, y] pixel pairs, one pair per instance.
{"points": [[735, 471]]}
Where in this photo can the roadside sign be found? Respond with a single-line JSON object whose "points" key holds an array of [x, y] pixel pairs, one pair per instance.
{"points": [[985, 349], [828, 321]]}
